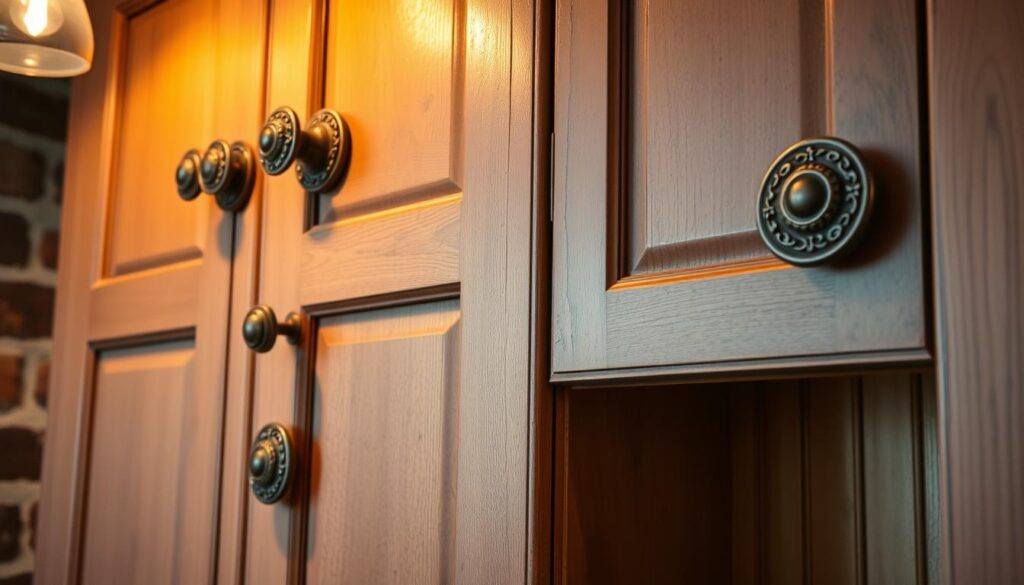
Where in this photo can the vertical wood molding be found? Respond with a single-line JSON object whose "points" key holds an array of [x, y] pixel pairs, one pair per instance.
{"points": [[541, 497], [977, 133]]}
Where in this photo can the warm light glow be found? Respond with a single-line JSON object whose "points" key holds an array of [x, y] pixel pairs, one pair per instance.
{"points": [[45, 38], [35, 17], [722, 270]]}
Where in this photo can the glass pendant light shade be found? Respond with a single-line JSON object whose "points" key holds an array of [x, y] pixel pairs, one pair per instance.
{"points": [[45, 38]]}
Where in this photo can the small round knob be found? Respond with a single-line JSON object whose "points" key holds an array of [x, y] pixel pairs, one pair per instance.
{"points": [[815, 201], [261, 328], [226, 171], [262, 460], [321, 151], [270, 463], [186, 175]]}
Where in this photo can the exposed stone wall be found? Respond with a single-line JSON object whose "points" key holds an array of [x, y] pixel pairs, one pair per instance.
{"points": [[33, 121]]}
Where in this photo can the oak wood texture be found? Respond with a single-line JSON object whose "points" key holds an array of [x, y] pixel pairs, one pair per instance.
{"points": [[815, 481], [161, 116], [689, 183], [403, 248], [431, 226], [146, 275], [142, 461], [666, 115], [385, 457], [977, 137], [407, 124]]}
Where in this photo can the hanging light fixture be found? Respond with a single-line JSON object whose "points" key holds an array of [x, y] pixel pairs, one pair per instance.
{"points": [[45, 38]]}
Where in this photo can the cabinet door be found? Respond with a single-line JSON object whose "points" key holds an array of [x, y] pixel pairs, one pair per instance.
{"points": [[667, 114], [133, 448], [407, 395]]}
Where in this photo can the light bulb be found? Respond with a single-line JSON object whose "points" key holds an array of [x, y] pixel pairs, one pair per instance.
{"points": [[37, 18]]}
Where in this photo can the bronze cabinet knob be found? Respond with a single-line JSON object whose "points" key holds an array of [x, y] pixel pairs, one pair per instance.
{"points": [[321, 150], [226, 171], [261, 328], [815, 201], [270, 463], [186, 176]]}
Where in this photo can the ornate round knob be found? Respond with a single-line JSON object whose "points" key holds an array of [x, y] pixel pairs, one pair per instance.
{"points": [[815, 201], [186, 176], [226, 172], [270, 463], [321, 151], [261, 328]]}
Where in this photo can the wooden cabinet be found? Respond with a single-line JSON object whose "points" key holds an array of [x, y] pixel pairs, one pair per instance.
{"points": [[412, 385], [696, 438], [133, 447], [666, 116], [406, 396], [616, 384]]}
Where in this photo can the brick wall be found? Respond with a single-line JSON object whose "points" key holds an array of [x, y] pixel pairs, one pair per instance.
{"points": [[33, 119]]}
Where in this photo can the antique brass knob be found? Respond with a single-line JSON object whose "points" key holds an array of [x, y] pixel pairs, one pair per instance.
{"points": [[226, 172], [261, 328], [187, 175], [270, 463], [321, 151], [815, 201]]}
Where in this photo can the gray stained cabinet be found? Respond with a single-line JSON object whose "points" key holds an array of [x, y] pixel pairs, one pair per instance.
{"points": [[666, 116]]}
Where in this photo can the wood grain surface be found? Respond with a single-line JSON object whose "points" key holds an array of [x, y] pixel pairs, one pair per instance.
{"points": [[437, 208], [385, 456], [666, 115], [792, 481], [144, 275], [977, 131]]}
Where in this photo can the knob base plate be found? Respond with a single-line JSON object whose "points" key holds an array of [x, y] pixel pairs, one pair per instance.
{"points": [[827, 218], [277, 457]]}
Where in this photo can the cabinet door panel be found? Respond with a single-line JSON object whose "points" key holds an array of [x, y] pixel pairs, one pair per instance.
{"points": [[167, 55], [147, 461], [394, 70], [385, 423], [666, 116], [712, 92], [133, 460], [409, 397]]}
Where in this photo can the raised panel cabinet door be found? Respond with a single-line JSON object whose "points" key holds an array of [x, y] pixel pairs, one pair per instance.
{"points": [[132, 464], [667, 115], [407, 392]]}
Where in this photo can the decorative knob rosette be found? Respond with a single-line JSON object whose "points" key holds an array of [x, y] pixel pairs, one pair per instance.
{"points": [[270, 464], [321, 151], [815, 201], [226, 172]]}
